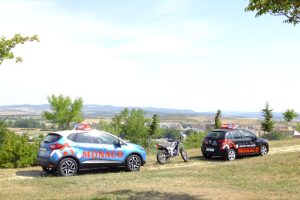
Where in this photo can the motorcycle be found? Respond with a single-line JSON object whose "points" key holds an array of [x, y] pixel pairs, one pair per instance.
{"points": [[167, 151]]}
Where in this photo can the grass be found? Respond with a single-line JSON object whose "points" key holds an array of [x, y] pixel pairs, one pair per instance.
{"points": [[275, 176]]}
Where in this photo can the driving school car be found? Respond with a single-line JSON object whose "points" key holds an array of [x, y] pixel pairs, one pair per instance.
{"points": [[69, 151], [231, 143]]}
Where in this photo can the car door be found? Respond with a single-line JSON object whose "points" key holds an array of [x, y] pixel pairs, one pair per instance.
{"points": [[251, 147], [87, 148], [113, 151], [239, 141]]}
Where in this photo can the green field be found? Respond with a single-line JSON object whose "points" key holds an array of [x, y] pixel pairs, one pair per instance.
{"points": [[275, 176]]}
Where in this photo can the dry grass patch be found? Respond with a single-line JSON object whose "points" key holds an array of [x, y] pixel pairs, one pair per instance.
{"points": [[275, 176]]}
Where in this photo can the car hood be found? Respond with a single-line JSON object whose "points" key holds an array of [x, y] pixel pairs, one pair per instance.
{"points": [[135, 146]]}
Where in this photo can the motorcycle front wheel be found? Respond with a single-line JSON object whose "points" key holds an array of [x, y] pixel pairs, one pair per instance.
{"points": [[161, 157], [184, 155]]}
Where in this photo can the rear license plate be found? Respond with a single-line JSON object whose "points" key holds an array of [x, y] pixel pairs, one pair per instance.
{"points": [[210, 149], [43, 152]]}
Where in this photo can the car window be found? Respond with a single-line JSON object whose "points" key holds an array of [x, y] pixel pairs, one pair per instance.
{"points": [[72, 137], [247, 134], [52, 137], [86, 138], [229, 136], [236, 135], [216, 135], [105, 138]]}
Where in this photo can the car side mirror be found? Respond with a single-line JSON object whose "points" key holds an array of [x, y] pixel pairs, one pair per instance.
{"points": [[117, 143]]}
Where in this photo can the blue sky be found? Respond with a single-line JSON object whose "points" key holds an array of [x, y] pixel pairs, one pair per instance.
{"points": [[186, 54]]}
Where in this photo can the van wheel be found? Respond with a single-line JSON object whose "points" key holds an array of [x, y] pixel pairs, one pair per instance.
{"points": [[67, 167]]}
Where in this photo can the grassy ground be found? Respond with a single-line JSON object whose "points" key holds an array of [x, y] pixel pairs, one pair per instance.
{"points": [[276, 176]]}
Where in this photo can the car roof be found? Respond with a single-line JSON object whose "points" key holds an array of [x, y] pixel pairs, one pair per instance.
{"points": [[68, 132]]}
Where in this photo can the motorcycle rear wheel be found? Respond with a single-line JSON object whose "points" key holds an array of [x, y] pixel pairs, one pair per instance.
{"points": [[161, 157], [184, 155]]}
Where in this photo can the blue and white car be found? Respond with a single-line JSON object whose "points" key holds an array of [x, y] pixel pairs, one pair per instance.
{"points": [[66, 152]]}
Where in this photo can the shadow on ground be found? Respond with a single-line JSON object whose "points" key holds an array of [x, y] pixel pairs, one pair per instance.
{"points": [[145, 195], [212, 159], [41, 173]]}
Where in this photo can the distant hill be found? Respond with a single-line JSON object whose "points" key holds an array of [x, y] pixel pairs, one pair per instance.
{"points": [[92, 110]]}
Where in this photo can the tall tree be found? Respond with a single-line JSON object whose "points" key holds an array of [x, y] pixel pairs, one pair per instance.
{"points": [[135, 128], [154, 129], [64, 111], [289, 115], [6, 46], [218, 122], [268, 124], [288, 8]]}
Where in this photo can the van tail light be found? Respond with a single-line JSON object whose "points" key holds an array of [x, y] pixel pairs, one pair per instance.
{"points": [[56, 146]]}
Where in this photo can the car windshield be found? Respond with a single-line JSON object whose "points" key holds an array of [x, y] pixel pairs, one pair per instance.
{"points": [[216, 135], [52, 137]]}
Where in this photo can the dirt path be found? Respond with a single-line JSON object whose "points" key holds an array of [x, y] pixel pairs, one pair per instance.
{"points": [[279, 150]]}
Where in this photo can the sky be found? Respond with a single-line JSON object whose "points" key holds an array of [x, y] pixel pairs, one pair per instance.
{"points": [[186, 54]]}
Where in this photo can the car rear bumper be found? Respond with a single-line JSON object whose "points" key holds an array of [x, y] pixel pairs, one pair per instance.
{"points": [[45, 162], [216, 151]]}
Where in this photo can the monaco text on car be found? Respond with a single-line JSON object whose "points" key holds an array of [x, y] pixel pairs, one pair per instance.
{"points": [[231, 143], [69, 151]]}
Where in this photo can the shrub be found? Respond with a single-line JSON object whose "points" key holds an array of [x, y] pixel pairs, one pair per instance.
{"points": [[16, 151], [194, 140], [275, 136]]}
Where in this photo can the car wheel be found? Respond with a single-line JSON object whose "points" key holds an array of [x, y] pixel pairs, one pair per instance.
{"points": [[67, 167], [231, 154], [263, 150], [133, 163], [49, 170]]}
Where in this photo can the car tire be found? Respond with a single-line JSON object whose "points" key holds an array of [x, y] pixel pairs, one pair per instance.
{"points": [[133, 163], [49, 170], [263, 150], [230, 154], [67, 167]]}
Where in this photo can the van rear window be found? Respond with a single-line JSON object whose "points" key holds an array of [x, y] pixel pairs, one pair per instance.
{"points": [[216, 135], [52, 137]]}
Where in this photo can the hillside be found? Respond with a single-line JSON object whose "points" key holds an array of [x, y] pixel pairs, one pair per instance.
{"points": [[93, 110]]}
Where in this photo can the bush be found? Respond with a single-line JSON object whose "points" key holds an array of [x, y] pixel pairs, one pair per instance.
{"points": [[194, 140], [275, 136], [16, 151]]}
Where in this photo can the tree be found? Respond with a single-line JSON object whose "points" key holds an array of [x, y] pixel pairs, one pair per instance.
{"points": [[154, 129], [268, 124], [218, 122], [130, 124], [135, 128], [289, 115], [15, 151], [64, 111], [288, 8], [6, 46]]}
